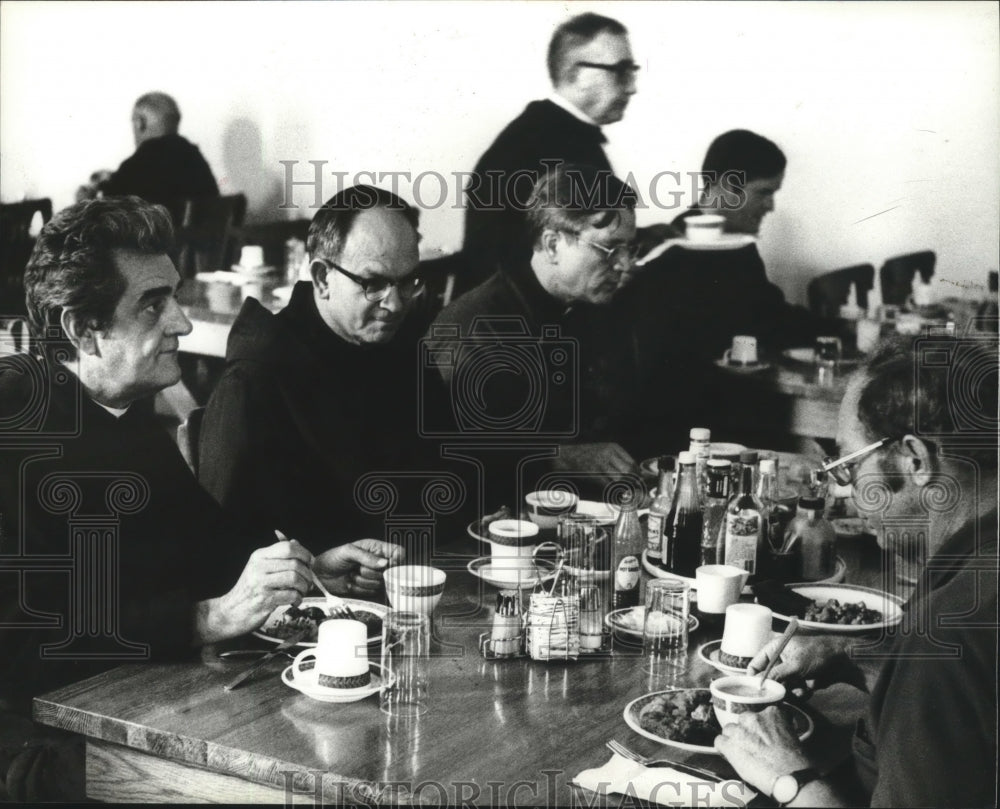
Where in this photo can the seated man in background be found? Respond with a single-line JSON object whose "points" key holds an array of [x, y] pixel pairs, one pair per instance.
{"points": [[165, 168], [924, 416], [712, 295], [325, 391], [96, 485], [537, 352]]}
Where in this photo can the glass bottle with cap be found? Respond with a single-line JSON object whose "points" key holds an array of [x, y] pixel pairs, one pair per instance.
{"points": [[713, 534], [816, 538], [682, 537], [628, 546], [700, 447], [744, 523], [659, 510]]}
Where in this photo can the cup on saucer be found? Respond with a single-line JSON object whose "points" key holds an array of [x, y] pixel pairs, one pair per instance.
{"points": [[704, 227], [545, 508], [512, 545], [251, 257], [747, 630], [742, 352], [341, 655]]}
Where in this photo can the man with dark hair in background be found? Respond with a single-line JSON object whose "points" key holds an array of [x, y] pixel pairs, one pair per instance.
{"points": [[593, 77], [918, 434], [165, 168], [316, 396], [157, 568]]}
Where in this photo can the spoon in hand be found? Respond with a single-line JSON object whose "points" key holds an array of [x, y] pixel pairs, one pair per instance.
{"points": [[791, 629]]}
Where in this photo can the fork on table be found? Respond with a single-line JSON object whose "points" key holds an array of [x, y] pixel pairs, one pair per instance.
{"points": [[619, 748]]}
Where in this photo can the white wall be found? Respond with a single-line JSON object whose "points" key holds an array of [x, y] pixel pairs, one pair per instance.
{"points": [[888, 112]]}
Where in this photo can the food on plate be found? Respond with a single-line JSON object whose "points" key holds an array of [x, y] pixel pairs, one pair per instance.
{"points": [[682, 716], [295, 619], [833, 612]]}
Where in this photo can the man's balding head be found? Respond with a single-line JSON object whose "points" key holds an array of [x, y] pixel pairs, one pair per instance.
{"points": [[153, 116]]}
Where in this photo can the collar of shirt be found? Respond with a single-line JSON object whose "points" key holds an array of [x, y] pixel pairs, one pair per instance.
{"points": [[559, 101]]}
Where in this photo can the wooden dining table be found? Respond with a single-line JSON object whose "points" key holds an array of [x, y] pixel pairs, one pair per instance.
{"points": [[498, 732]]}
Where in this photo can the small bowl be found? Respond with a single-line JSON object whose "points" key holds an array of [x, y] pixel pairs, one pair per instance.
{"points": [[414, 588], [704, 227], [547, 506], [740, 693]]}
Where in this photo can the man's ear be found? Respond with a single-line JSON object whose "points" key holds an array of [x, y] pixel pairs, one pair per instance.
{"points": [[917, 459], [319, 272], [81, 334], [550, 245]]}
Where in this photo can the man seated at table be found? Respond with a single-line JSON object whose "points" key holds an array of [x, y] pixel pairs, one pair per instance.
{"points": [[318, 395], [712, 295], [592, 72], [929, 492], [166, 167], [127, 558], [537, 351]]}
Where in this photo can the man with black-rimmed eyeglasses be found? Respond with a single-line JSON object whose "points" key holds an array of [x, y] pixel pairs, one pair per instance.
{"points": [[324, 392]]}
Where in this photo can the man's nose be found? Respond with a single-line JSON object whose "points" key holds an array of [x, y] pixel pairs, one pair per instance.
{"points": [[393, 302], [177, 322]]}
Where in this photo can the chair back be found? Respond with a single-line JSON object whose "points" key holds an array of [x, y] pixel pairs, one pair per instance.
{"points": [[16, 244], [828, 292], [208, 236], [896, 275], [188, 436]]}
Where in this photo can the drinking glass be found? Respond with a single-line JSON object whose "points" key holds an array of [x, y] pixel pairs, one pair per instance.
{"points": [[665, 628], [406, 638]]}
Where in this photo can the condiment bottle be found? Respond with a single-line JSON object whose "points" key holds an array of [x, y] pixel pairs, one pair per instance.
{"points": [[505, 639], [682, 537], [816, 537], [744, 525], [591, 617], [713, 534], [628, 546], [659, 510], [700, 446]]}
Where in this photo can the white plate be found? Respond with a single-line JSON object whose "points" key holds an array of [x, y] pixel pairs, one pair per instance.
{"points": [[483, 568], [354, 603], [889, 605], [255, 272], [734, 368], [803, 724], [839, 572], [629, 621], [304, 681], [605, 512]]}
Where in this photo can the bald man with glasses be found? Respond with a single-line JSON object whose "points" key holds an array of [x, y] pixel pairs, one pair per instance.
{"points": [[316, 396]]}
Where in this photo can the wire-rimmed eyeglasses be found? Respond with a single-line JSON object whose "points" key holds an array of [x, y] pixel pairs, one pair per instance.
{"points": [[623, 71], [378, 288], [842, 469], [623, 254]]}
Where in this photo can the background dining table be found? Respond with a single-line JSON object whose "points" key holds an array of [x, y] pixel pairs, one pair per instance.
{"points": [[498, 732]]}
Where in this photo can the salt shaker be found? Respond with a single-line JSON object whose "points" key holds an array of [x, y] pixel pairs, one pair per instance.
{"points": [[505, 638]]}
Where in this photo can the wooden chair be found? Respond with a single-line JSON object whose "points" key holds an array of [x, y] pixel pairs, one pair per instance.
{"points": [[209, 234], [896, 275], [188, 436], [828, 292], [16, 244]]}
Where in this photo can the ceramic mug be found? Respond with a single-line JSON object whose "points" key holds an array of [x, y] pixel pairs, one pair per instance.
{"points": [[743, 351]]}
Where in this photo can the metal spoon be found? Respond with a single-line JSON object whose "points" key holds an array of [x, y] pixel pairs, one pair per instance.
{"points": [[791, 629]]}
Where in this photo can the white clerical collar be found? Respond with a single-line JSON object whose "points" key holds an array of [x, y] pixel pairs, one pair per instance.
{"points": [[559, 101], [117, 412]]}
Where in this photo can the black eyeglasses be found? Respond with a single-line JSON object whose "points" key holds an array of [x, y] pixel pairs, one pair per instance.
{"points": [[377, 289], [625, 254], [842, 469], [622, 71]]}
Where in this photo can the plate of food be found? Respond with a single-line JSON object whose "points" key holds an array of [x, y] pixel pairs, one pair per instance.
{"points": [[684, 718], [839, 608], [284, 622], [629, 621]]}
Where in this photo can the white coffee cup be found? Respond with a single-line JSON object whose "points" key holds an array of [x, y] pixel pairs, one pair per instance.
{"points": [[869, 332], [704, 227], [513, 544], [414, 588], [719, 586], [741, 693], [747, 630], [545, 508], [743, 351], [341, 655], [252, 256]]}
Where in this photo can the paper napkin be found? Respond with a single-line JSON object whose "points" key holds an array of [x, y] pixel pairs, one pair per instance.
{"points": [[663, 785]]}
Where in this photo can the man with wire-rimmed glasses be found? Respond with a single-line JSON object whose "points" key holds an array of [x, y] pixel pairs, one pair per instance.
{"points": [[918, 437], [323, 392]]}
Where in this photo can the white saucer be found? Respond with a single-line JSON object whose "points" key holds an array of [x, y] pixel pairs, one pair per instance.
{"points": [[305, 682], [755, 368], [709, 652], [255, 272], [629, 621], [483, 568], [728, 241], [839, 571]]}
